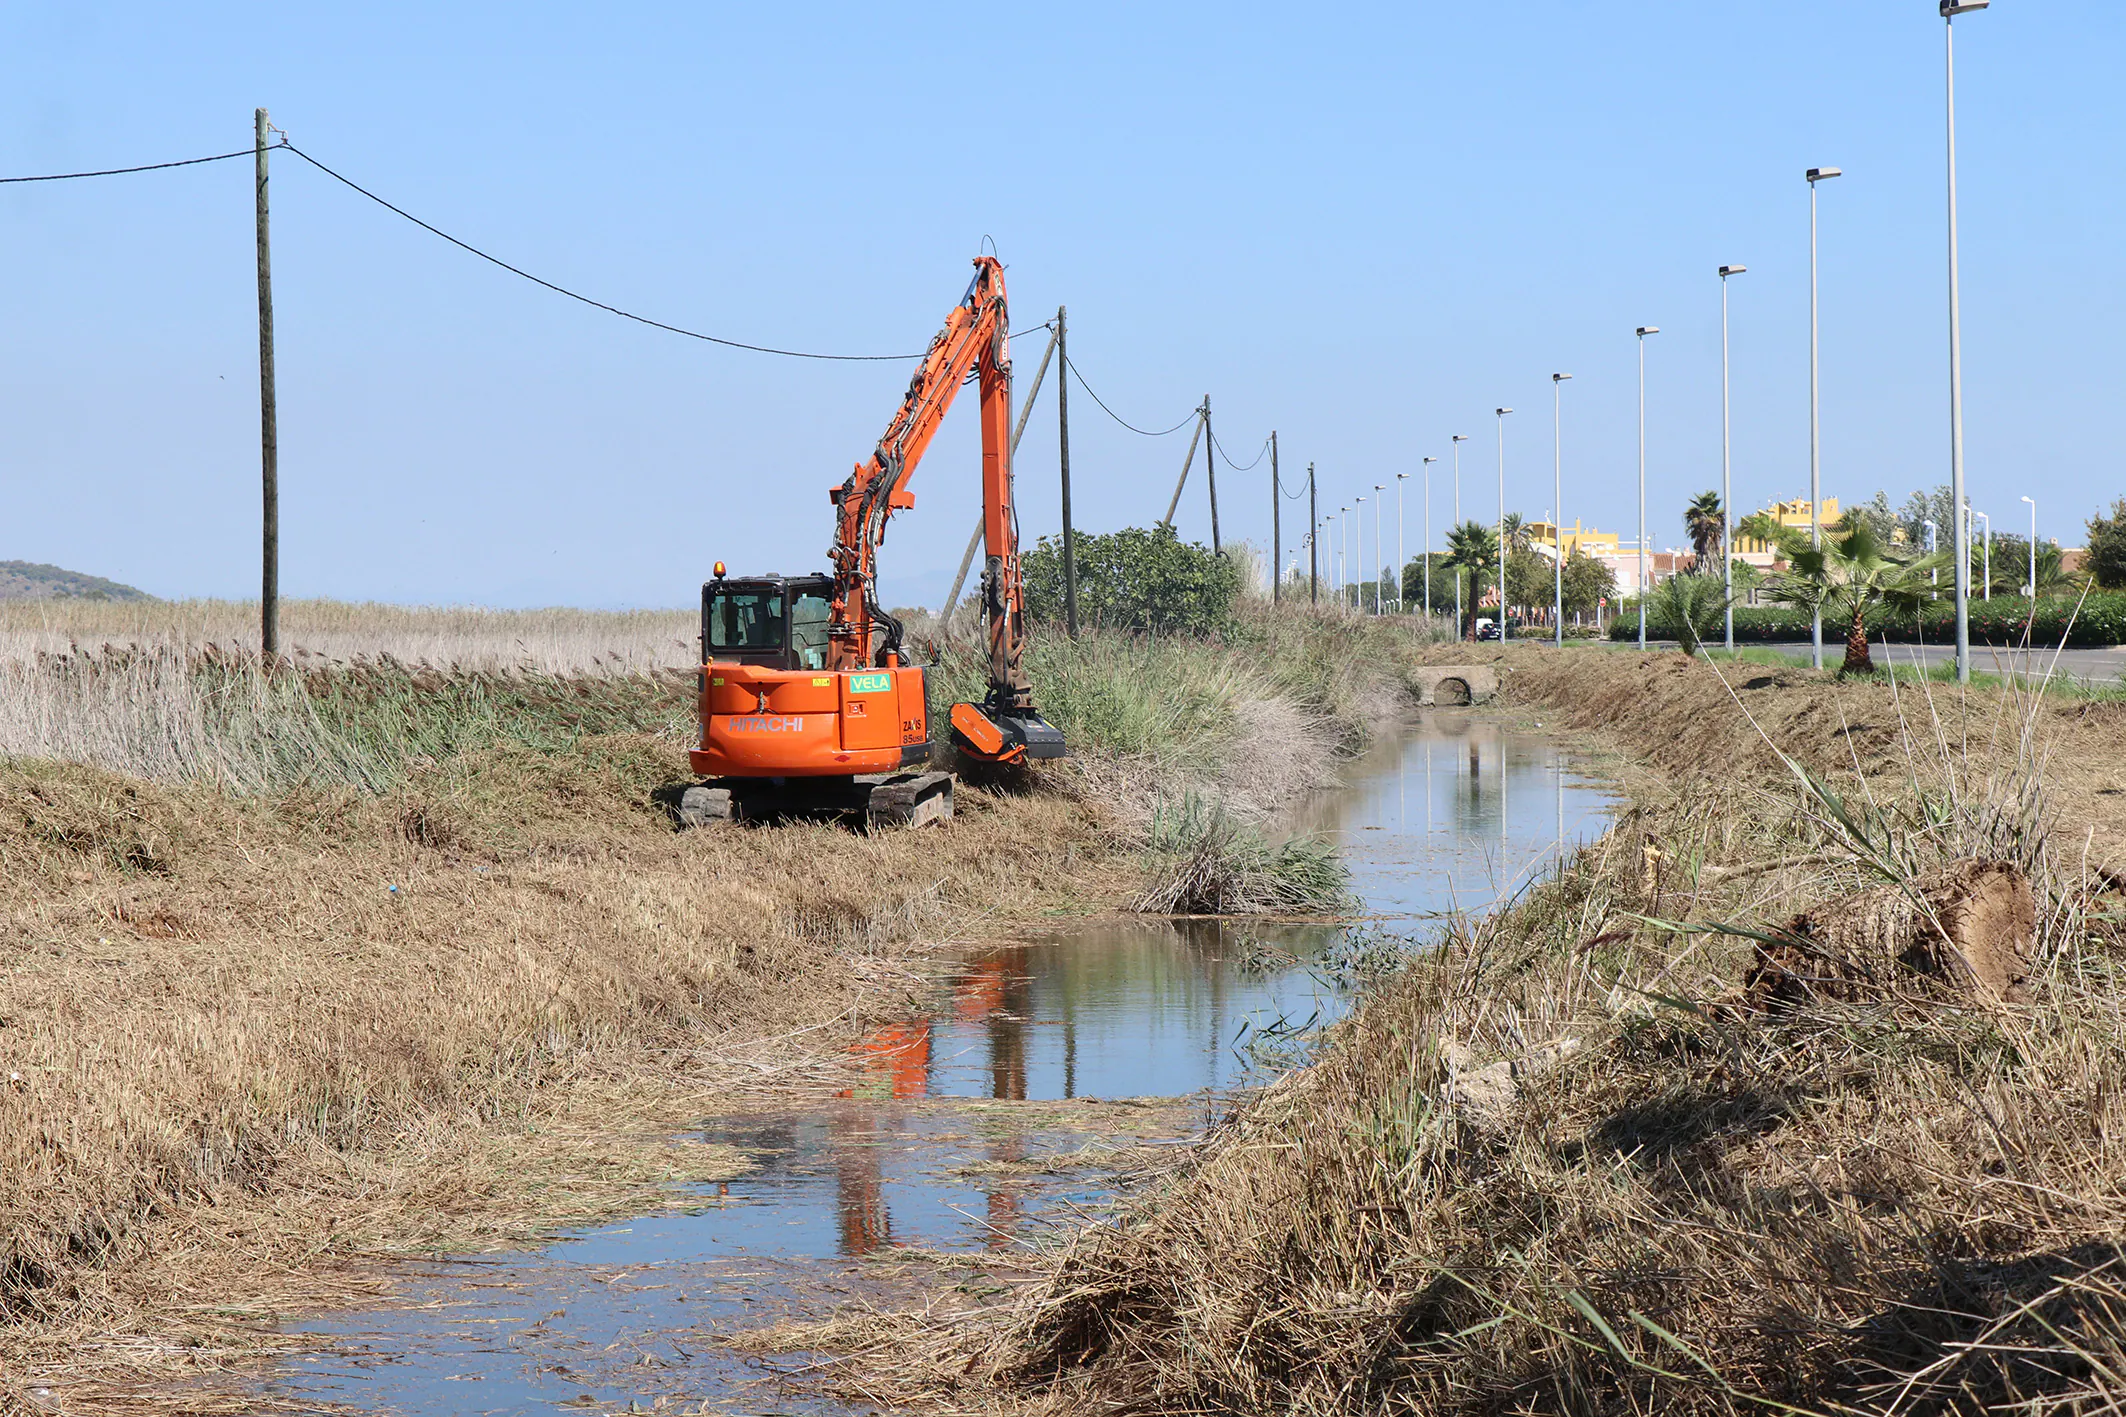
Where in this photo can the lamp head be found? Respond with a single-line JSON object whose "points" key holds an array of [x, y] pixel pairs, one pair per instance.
{"points": [[1503, 412], [1823, 174], [1950, 9], [2030, 500], [1726, 271], [1427, 460], [1645, 330], [1461, 437], [1559, 378]]}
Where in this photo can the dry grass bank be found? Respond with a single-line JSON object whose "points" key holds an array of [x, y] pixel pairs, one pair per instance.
{"points": [[303, 970], [242, 1042], [1569, 1163]]}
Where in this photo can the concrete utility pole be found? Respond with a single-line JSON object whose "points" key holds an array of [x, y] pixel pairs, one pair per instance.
{"points": [[269, 454], [1276, 526], [1070, 550], [1313, 544]]}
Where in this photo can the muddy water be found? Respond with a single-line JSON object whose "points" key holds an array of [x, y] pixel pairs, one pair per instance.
{"points": [[976, 1128]]}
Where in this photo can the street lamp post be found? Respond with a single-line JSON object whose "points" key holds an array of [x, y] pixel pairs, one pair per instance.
{"points": [[1427, 552], [2032, 558], [1950, 9], [1374, 573], [1459, 439], [1358, 587], [1644, 331], [1502, 523], [1815, 175], [1343, 551], [1557, 513], [1933, 543], [1727, 480], [1402, 602], [1335, 584], [1987, 570]]}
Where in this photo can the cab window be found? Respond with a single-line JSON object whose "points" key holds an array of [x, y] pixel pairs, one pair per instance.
{"points": [[745, 620], [808, 630]]}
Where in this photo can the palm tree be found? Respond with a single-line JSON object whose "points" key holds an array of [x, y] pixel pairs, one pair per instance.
{"points": [[1848, 576], [1472, 547], [1707, 526], [1518, 537]]}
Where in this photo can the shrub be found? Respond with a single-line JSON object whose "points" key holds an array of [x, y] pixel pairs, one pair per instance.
{"points": [[1136, 579], [2003, 620], [2107, 548]]}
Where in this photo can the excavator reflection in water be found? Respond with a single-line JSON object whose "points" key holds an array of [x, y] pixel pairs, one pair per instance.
{"points": [[995, 991]]}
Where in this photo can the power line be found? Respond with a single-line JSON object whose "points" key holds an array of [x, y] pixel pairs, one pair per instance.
{"points": [[122, 171], [625, 314], [1145, 432], [1260, 454], [585, 299]]}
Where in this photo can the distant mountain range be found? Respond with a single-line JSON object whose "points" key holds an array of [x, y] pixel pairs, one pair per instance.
{"points": [[30, 580]]}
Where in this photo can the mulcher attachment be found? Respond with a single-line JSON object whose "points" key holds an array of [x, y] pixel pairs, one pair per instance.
{"points": [[1004, 735]]}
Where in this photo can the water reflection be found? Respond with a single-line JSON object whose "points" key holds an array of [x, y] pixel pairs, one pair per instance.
{"points": [[1151, 1007], [918, 1152]]}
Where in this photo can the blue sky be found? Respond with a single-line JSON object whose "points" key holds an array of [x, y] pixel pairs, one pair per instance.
{"points": [[1365, 226]]}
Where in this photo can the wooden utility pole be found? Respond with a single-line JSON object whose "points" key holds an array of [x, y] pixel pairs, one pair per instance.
{"points": [[269, 639], [1313, 549], [1276, 526], [1018, 431], [1210, 471], [1202, 417], [1070, 550]]}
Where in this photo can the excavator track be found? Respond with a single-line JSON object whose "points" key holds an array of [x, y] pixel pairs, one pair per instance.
{"points": [[874, 800]]}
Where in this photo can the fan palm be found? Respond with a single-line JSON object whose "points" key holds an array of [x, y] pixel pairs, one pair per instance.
{"points": [[1706, 522], [1472, 547], [1518, 537], [1684, 603], [1849, 575]]}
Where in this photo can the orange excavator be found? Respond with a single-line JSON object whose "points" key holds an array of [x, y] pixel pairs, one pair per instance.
{"points": [[809, 703]]}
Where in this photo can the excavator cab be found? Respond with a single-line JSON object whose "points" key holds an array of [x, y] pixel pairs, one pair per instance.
{"points": [[777, 622]]}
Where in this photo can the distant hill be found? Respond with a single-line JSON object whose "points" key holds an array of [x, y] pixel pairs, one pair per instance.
{"points": [[29, 580]]}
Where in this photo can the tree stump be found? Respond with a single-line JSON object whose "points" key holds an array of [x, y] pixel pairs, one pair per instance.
{"points": [[1967, 931]]}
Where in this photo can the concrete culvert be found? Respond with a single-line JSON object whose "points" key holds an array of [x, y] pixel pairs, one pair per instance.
{"points": [[1451, 691]]}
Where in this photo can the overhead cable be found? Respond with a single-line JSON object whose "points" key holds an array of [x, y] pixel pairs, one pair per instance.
{"points": [[585, 299], [1145, 432], [149, 167], [1260, 453]]}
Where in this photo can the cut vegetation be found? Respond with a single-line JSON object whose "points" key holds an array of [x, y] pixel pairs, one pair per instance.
{"points": [[311, 968]]}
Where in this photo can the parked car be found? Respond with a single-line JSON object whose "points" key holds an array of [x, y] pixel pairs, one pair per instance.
{"points": [[1487, 629]]}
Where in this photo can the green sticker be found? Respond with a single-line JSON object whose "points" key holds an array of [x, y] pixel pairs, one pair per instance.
{"points": [[870, 683]]}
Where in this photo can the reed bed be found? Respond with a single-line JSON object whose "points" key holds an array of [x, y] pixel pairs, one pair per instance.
{"points": [[328, 632], [1566, 1162]]}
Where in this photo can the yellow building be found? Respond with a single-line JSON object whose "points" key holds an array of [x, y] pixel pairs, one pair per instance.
{"points": [[1579, 540], [1793, 514]]}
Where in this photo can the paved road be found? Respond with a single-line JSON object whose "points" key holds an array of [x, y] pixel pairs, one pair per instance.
{"points": [[2091, 666]]}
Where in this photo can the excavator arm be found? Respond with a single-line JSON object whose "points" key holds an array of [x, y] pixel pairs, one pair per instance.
{"points": [[970, 348]]}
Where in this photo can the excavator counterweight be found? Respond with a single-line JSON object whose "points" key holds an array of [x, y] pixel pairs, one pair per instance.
{"points": [[807, 700]]}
